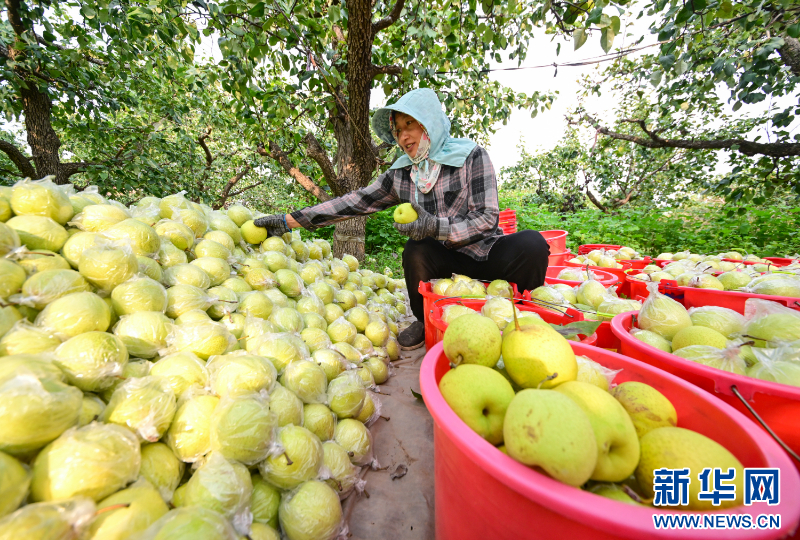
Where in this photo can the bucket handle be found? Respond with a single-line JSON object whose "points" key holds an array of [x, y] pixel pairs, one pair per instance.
{"points": [[764, 424]]}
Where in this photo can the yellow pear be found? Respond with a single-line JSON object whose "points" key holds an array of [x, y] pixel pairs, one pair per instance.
{"points": [[537, 356], [546, 429], [126, 512], [405, 213], [617, 443], [648, 408], [678, 448]]}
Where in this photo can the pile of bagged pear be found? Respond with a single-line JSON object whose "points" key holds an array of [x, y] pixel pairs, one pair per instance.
{"points": [[526, 392], [168, 371], [713, 272], [763, 343]]}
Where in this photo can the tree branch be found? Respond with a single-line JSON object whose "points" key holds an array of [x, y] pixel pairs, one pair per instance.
{"points": [[790, 54], [388, 70], [235, 193], [317, 153], [594, 200], [19, 159], [14, 17], [748, 148], [68, 169], [226, 192], [386, 22], [202, 140], [275, 152]]}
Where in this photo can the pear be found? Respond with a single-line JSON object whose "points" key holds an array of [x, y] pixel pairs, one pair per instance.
{"points": [[331, 361], [189, 435], [306, 380], [774, 327], [698, 335], [182, 371], [161, 468], [286, 405], [141, 507], [479, 396], [319, 420], [678, 448], [617, 442], [538, 357], [648, 408], [15, 480], [725, 321], [264, 501], [652, 339], [440, 286], [473, 339], [313, 498], [344, 475], [615, 492], [354, 437], [547, 429], [663, 315], [300, 461], [60, 520], [500, 287], [145, 405], [591, 372], [242, 428]]}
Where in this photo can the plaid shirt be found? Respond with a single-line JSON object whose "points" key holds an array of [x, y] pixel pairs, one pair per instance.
{"points": [[464, 199]]}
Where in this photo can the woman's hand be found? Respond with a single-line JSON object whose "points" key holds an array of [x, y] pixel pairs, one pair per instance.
{"points": [[424, 226], [275, 224]]}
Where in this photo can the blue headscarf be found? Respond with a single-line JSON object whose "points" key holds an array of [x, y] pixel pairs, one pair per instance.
{"points": [[424, 106]]}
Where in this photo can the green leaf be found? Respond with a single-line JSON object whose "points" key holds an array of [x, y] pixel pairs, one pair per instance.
{"points": [[606, 38], [655, 78], [88, 12], [585, 328], [594, 16], [615, 24], [579, 37], [794, 30], [257, 10], [416, 395], [725, 10]]}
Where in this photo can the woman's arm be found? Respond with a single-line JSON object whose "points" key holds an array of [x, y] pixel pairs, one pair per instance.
{"points": [[482, 201], [375, 197]]}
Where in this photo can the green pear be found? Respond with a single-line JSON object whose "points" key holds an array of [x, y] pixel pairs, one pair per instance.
{"points": [[698, 335], [313, 498], [59, 520], [300, 461], [615, 492], [678, 448], [189, 435], [617, 442], [652, 339], [253, 234], [663, 315], [473, 339], [140, 506], [547, 429], [725, 321], [404, 213], [479, 396], [286, 406], [774, 327], [354, 437], [648, 408], [307, 380], [319, 420], [161, 468], [264, 501], [500, 287], [14, 482]]}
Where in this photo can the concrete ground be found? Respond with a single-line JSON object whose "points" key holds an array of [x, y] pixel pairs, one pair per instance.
{"points": [[398, 501]]}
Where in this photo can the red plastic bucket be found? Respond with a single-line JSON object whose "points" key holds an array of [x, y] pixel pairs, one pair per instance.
{"points": [[558, 259], [508, 221], [639, 264], [637, 288], [557, 240], [780, 261], [607, 279], [429, 297], [440, 326], [482, 493], [695, 297], [586, 248], [620, 273], [777, 404]]}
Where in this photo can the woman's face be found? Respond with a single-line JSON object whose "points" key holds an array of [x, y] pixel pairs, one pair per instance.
{"points": [[408, 133]]}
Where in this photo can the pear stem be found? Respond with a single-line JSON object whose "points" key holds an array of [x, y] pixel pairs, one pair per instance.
{"points": [[111, 508], [548, 378], [516, 321], [633, 495], [288, 459]]}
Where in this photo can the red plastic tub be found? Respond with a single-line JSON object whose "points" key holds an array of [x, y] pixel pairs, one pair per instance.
{"points": [[639, 264], [607, 279], [695, 297], [777, 404], [429, 297], [620, 273], [508, 221], [557, 240], [780, 261], [586, 248], [482, 493], [558, 259], [440, 326]]}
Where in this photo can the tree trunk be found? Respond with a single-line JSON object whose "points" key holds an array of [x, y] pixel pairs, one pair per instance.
{"points": [[349, 237], [790, 53], [42, 138]]}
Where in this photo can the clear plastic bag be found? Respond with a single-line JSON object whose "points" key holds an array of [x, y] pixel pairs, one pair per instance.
{"points": [[240, 373], [75, 314], [62, 520], [346, 395], [25, 338], [99, 217], [92, 360], [189, 435], [93, 461], [162, 468], [313, 511], [591, 372], [35, 411], [286, 406], [281, 349], [613, 305], [203, 338], [182, 371], [145, 405], [193, 522], [298, 459], [243, 428], [41, 198], [9, 240], [342, 474], [342, 330], [15, 479], [356, 439], [38, 232], [770, 323], [186, 274], [726, 321], [729, 359], [662, 315], [40, 365], [144, 333], [788, 286]]}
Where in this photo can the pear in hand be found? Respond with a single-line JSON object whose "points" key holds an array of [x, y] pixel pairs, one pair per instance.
{"points": [[405, 213]]}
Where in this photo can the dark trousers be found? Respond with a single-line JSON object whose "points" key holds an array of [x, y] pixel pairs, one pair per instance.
{"points": [[519, 258]]}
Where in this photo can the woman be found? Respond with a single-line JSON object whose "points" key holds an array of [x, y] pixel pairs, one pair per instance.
{"points": [[452, 186]]}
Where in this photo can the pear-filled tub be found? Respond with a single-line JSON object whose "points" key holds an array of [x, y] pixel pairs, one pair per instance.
{"points": [[563, 439]]}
